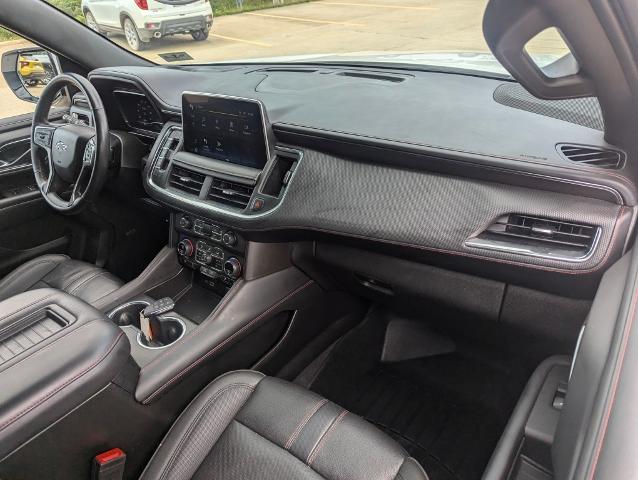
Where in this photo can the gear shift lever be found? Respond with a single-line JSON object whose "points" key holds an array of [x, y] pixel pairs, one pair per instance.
{"points": [[155, 309]]}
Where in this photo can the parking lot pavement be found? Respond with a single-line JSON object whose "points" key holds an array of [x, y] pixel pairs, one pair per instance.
{"points": [[326, 27], [336, 26]]}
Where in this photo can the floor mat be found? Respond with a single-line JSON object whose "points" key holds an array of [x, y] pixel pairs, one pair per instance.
{"points": [[448, 411]]}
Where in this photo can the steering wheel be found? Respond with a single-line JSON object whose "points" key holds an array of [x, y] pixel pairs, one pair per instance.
{"points": [[70, 160]]}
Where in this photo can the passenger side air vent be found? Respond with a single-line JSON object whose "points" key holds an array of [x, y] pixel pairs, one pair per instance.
{"points": [[186, 180], [230, 193], [540, 237], [596, 157]]}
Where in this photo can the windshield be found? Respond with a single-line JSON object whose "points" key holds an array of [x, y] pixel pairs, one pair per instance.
{"points": [[439, 33]]}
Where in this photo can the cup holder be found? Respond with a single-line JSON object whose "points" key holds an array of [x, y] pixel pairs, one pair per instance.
{"points": [[128, 314], [167, 329]]}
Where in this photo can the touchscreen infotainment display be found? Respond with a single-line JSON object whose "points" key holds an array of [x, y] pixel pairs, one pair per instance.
{"points": [[226, 129]]}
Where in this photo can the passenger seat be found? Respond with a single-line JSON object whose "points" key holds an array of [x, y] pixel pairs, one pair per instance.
{"points": [[247, 426]]}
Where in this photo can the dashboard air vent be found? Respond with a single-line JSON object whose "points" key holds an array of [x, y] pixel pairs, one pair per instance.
{"points": [[168, 146], [230, 193], [288, 70], [186, 180], [374, 76], [543, 230], [539, 237], [596, 157]]}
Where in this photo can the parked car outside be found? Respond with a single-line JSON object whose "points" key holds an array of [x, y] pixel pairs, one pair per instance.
{"points": [[143, 20], [35, 69]]}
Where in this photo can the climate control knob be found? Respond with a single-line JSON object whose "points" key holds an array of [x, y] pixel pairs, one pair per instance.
{"points": [[229, 239], [185, 248], [232, 267]]}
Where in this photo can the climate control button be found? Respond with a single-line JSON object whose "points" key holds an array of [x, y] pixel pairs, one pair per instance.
{"points": [[185, 223]]}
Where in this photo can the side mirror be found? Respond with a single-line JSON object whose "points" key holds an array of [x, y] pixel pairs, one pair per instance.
{"points": [[28, 70]]}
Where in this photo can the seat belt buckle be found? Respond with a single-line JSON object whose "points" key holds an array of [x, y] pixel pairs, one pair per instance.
{"points": [[109, 465]]}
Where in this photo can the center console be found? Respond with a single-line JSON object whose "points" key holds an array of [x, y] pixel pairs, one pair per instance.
{"points": [[56, 353]]}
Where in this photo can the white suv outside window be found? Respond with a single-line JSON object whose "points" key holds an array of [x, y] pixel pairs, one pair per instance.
{"points": [[142, 20]]}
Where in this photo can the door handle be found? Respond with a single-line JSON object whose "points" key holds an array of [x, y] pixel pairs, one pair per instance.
{"points": [[14, 155]]}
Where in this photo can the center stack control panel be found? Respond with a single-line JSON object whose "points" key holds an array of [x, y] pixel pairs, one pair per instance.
{"points": [[214, 251]]}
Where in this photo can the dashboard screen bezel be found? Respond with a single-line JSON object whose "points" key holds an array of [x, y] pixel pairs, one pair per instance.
{"points": [[119, 93], [263, 122]]}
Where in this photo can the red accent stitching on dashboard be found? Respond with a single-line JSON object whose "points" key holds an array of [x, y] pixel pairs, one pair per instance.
{"points": [[472, 255]]}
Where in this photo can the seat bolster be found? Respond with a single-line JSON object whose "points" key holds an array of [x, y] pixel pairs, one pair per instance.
{"points": [[28, 275], [199, 427], [248, 426], [411, 470], [80, 279], [354, 448]]}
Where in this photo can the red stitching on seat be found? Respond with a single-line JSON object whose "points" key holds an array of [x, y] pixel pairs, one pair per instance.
{"points": [[304, 422], [313, 455]]}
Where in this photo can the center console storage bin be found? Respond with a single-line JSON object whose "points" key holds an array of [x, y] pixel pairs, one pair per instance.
{"points": [[56, 352]]}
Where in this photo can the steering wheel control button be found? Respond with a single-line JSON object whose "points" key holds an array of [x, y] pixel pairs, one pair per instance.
{"points": [[89, 153], [185, 248], [43, 137]]}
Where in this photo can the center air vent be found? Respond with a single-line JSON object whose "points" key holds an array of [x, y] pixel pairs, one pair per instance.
{"points": [[540, 237], [230, 193], [186, 180], [596, 157]]}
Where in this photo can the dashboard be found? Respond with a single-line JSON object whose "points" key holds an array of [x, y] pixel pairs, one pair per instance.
{"points": [[456, 172]]}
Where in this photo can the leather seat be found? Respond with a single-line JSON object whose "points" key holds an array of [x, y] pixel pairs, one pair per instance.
{"points": [[80, 279], [248, 426]]}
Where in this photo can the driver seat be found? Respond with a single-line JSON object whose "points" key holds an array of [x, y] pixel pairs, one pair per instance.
{"points": [[80, 279]]}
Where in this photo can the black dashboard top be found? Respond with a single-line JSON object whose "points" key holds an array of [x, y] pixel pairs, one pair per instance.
{"points": [[438, 114], [421, 160]]}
